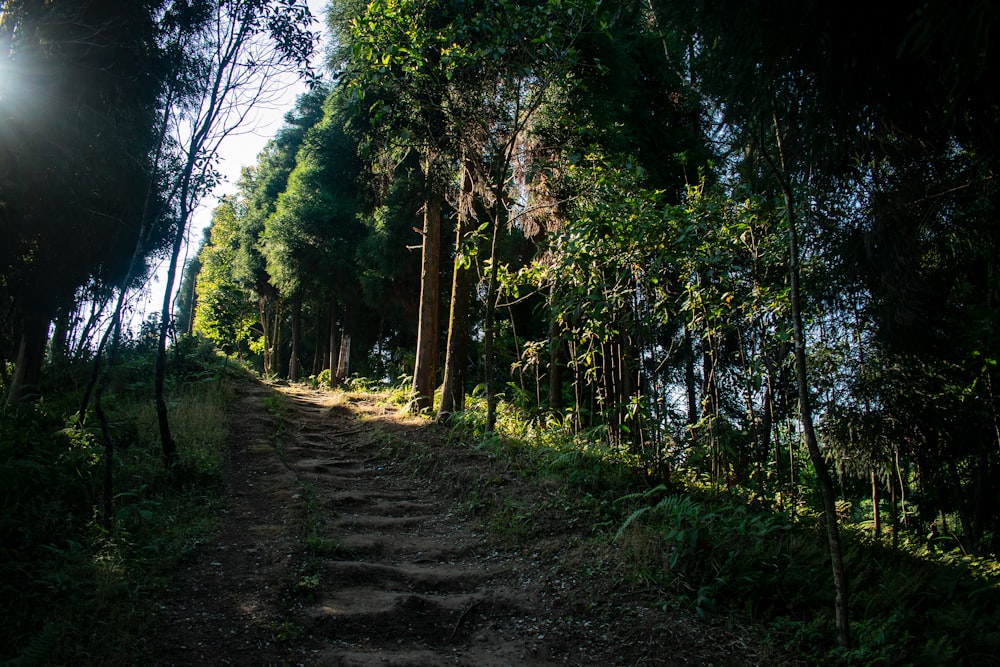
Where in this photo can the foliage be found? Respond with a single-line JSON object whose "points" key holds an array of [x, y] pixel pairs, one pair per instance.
{"points": [[225, 311], [727, 553], [73, 593]]}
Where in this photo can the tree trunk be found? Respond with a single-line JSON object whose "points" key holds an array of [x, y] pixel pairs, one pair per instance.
{"points": [[319, 353], [30, 355], [555, 366], [59, 344], [425, 367], [767, 423], [893, 513], [805, 409], [876, 515], [167, 443], [457, 348], [333, 340], [692, 389], [489, 335], [279, 367], [710, 407], [293, 360], [343, 362], [457, 353], [265, 327]]}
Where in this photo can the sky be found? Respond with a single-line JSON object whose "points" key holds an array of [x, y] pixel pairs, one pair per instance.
{"points": [[237, 151]]}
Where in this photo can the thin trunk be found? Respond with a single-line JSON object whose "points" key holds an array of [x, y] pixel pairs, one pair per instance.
{"points": [[332, 365], [293, 361], [457, 348], [766, 424], [457, 351], [555, 362], [192, 302], [279, 368], [805, 408], [265, 327], [893, 512], [710, 407], [902, 486], [692, 389], [876, 514], [95, 375], [319, 352], [425, 366], [167, 443], [30, 355], [59, 344], [489, 334], [343, 363], [109, 442]]}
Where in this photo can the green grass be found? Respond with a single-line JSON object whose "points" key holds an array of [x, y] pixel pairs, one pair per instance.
{"points": [[718, 552], [72, 592]]}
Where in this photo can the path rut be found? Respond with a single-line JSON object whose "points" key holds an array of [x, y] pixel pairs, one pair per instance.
{"points": [[334, 553], [335, 550]]}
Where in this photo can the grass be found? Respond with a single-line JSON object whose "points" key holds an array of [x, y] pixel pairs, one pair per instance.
{"points": [[72, 592], [717, 553]]}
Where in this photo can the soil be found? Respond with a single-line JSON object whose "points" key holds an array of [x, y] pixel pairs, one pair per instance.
{"points": [[355, 535]]}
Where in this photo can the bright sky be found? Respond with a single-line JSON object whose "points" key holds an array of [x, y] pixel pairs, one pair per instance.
{"points": [[239, 150]]}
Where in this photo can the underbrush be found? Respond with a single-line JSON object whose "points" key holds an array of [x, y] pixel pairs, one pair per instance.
{"points": [[73, 591], [720, 552]]}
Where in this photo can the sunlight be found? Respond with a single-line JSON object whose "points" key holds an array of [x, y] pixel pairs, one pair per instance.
{"points": [[12, 81]]}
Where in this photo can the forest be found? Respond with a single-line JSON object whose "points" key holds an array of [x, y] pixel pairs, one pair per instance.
{"points": [[745, 251]]}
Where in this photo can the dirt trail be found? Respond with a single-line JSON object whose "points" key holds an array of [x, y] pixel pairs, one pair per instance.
{"points": [[335, 553]]}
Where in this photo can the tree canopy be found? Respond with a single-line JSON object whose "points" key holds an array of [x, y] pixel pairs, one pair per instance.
{"points": [[745, 245]]}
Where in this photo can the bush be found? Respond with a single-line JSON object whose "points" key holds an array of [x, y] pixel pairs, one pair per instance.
{"points": [[70, 591]]}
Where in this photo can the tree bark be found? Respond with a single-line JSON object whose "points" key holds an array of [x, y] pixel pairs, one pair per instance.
{"points": [[805, 408], [555, 362], [876, 515], [344, 358], [293, 360], [333, 340], [425, 367], [457, 351], [457, 347], [279, 367], [489, 336], [689, 380], [30, 356], [167, 443], [319, 353]]}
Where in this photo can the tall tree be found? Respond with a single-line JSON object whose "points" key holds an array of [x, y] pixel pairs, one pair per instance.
{"points": [[78, 104], [310, 239], [401, 59], [231, 63]]}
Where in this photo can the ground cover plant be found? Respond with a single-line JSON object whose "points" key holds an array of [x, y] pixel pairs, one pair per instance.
{"points": [[77, 587], [719, 277], [721, 551]]}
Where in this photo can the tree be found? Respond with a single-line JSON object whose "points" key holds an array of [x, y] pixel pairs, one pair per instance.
{"points": [[399, 62], [231, 63], [310, 238], [79, 100], [225, 306]]}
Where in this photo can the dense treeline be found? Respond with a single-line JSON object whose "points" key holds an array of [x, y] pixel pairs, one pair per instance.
{"points": [[746, 245], [752, 244], [602, 198], [111, 118]]}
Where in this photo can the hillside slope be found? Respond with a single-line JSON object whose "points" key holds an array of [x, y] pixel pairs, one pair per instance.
{"points": [[352, 537]]}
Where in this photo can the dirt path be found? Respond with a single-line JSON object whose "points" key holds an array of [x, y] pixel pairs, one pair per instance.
{"points": [[333, 552]]}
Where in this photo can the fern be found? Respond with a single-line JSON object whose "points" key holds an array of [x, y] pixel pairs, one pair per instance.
{"points": [[628, 522], [38, 648]]}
